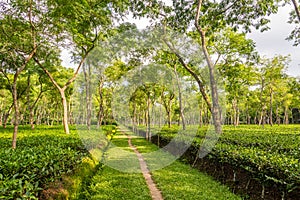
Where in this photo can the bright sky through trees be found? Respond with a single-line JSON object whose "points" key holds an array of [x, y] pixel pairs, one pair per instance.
{"points": [[268, 43]]}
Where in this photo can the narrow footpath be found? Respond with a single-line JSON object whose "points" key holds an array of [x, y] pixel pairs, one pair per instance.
{"points": [[120, 177], [155, 192]]}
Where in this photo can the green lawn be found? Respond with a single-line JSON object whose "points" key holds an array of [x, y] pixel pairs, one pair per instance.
{"points": [[176, 181]]}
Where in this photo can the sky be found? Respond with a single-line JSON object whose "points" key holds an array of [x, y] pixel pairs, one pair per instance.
{"points": [[268, 43], [273, 42]]}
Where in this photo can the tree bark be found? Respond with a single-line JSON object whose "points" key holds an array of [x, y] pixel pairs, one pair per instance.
{"points": [[101, 103], [65, 112], [296, 9], [168, 107], [16, 109], [201, 114], [286, 115], [234, 107], [271, 107], [6, 115], [66, 85], [148, 123], [87, 76], [262, 114], [31, 107], [180, 100], [193, 74], [14, 86], [277, 115], [214, 89]]}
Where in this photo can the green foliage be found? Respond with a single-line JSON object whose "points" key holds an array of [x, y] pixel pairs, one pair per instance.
{"points": [[270, 155], [43, 155], [180, 181]]}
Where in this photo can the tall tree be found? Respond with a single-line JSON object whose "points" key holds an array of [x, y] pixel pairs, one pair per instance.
{"points": [[18, 35], [84, 24]]}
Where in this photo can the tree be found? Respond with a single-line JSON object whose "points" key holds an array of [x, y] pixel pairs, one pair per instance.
{"points": [[295, 18], [210, 17], [235, 57], [272, 77], [18, 36], [84, 23]]}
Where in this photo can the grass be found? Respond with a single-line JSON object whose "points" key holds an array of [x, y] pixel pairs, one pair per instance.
{"points": [[112, 181], [115, 185], [176, 181], [180, 181], [54, 153]]}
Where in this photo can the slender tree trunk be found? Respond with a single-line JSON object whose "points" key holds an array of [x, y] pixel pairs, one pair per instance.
{"points": [[101, 103], [180, 99], [201, 114], [286, 115], [134, 118], [296, 8], [191, 72], [28, 97], [87, 77], [238, 115], [234, 107], [160, 113], [1, 119], [262, 114], [71, 120], [31, 107], [277, 115], [148, 119], [65, 112], [169, 119], [14, 86], [6, 115], [16, 108], [216, 113], [271, 107], [66, 85], [248, 114]]}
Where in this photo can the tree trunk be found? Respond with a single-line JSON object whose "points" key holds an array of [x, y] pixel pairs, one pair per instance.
{"points": [[65, 112], [6, 115], [201, 114], [234, 107], [262, 114], [134, 117], [277, 115], [296, 9], [271, 107], [87, 77], [14, 86], [216, 113], [1, 119], [238, 115], [28, 98], [66, 85], [16, 108], [101, 103], [148, 119], [180, 100], [160, 113], [286, 115]]}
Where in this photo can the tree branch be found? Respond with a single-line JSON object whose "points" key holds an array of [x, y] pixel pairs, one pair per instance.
{"points": [[296, 9], [48, 74], [200, 84]]}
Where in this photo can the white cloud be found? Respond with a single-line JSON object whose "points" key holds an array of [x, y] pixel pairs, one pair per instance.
{"points": [[273, 42]]}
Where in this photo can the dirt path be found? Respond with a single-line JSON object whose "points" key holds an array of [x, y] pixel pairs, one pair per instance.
{"points": [[155, 192]]}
